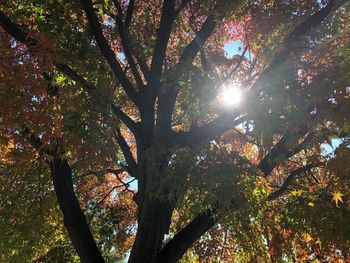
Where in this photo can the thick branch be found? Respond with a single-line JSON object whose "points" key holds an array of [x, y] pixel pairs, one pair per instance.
{"points": [[284, 149], [313, 21], [206, 30], [132, 165], [209, 131], [290, 41], [74, 219], [13, 30], [202, 35], [129, 13], [133, 126], [64, 68], [126, 45], [164, 30], [289, 180], [107, 52], [182, 241], [168, 99]]}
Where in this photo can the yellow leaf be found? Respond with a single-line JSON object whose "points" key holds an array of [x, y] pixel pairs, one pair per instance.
{"points": [[318, 242], [337, 197], [297, 192], [307, 237], [311, 204]]}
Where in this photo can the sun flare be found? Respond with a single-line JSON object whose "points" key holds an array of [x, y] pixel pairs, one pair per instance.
{"points": [[231, 96]]}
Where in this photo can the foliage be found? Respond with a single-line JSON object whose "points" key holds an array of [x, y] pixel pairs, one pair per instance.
{"points": [[127, 93]]}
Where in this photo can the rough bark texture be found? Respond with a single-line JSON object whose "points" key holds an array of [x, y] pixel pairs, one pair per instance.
{"points": [[74, 219]]}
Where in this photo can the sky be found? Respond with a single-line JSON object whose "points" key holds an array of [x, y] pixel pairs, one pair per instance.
{"points": [[236, 47], [233, 48]]}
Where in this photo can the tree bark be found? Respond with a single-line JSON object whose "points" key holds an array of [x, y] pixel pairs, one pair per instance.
{"points": [[74, 219], [153, 223]]}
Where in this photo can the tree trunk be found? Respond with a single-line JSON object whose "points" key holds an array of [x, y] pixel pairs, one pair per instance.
{"points": [[153, 224], [74, 219]]}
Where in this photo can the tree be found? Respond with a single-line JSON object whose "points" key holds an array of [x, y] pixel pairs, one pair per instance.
{"points": [[112, 91]]}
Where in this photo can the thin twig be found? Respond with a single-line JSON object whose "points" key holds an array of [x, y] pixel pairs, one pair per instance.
{"points": [[104, 198]]}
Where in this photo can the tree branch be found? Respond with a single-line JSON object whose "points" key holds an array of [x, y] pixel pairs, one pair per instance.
{"points": [[281, 149], [168, 99], [163, 35], [74, 218], [286, 147], [126, 185], [64, 68], [290, 178], [108, 53], [183, 240], [126, 45], [290, 41], [209, 131], [107, 194], [133, 126], [313, 21], [13, 30], [182, 6], [132, 165], [33, 44], [35, 142], [20, 35], [230, 74], [129, 13]]}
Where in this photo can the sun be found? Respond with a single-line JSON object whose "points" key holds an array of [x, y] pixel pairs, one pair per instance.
{"points": [[231, 95]]}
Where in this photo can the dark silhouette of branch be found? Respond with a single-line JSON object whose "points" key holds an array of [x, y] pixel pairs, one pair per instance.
{"points": [[67, 70], [163, 35], [290, 178], [13, 30], [185, 238], [33, 44], [108, 53], [126, 44], [168, 98], [36, 142], [290, 41], [287, 146], [132, 165], [208, 131], [129, 13], [133, 126]]}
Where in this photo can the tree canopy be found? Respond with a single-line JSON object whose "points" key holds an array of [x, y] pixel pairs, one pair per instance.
{"points": [[129, 131]]}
